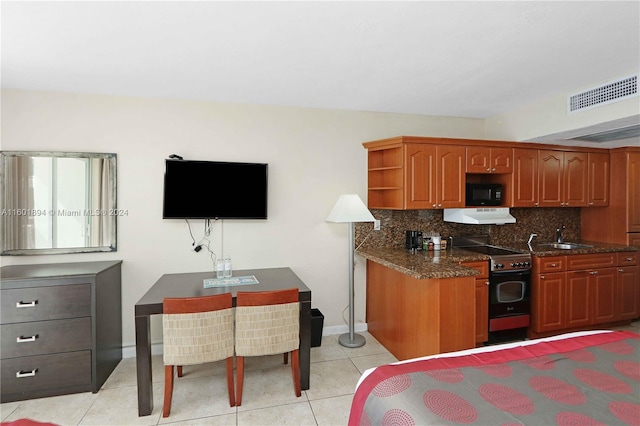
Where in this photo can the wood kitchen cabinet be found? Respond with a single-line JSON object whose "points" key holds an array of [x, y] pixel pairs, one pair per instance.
{"points": [[417, 317], [524, 180], [482, 159], [628, 283], [579, 291], [482, 300], [562, 178], [385, 176], [619, 222], [434, 176], [412, 172], [548, 282], [599, 164], [415, 176]]}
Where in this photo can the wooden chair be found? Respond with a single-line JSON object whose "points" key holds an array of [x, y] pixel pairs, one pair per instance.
{"points": [[196, 330], [267, 323]]}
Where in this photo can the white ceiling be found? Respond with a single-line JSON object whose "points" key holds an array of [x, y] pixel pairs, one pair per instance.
{"points": [[451, 58]]}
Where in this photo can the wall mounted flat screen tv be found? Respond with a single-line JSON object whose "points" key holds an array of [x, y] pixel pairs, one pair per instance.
{"points": [[214, 190]]}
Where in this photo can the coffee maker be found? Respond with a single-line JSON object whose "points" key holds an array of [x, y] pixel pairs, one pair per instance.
{"points": [[414, 240]]}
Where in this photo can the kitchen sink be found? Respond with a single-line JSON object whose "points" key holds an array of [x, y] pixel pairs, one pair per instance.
{"points": [[566, 246]]}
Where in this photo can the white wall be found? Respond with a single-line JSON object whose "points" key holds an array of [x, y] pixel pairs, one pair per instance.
{"points": [[313, 155], [549, 116]]}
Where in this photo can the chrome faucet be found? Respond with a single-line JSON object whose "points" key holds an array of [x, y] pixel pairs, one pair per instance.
{"points": [[531, 237], [559, 237]]}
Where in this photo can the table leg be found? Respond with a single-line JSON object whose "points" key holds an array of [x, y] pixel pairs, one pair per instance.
{"points": [[143, 365], [305, 344]]}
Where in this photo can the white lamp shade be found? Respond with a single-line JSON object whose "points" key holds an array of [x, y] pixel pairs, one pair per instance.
{"points": [[350, 208]]}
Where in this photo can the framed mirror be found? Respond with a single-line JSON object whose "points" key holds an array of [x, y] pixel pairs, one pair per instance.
{"points": [[57, 202]]}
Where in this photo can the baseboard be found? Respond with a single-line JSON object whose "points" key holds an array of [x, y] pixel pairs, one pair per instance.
{"points": [[341, 329], [156, 348]]}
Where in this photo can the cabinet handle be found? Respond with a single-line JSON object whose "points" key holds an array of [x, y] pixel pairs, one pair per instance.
{"points": [[435, 205], [31, 373], [493, 170], [620, 270], [23, 339], [22, 304], [488, 169], [590, 203], [486, 282], [554, 265], [542, 277], [593, 272], [536, 204], [629, 259]]}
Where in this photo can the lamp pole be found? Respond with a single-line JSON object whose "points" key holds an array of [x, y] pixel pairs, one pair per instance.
{"points": [[351, 339]]}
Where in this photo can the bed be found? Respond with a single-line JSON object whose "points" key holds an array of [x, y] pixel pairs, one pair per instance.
{"points": [[583, 378]]}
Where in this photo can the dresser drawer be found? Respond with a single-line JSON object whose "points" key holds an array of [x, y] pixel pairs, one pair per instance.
{"points": [[591, 261], [35, 374], [45, 303], [628, 258], [45, 337]]}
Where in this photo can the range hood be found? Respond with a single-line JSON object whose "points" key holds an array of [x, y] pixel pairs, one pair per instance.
{"points": [[479, 215]]}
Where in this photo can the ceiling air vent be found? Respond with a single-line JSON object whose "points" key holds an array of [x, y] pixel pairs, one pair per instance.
{"points": [[610, 92]]}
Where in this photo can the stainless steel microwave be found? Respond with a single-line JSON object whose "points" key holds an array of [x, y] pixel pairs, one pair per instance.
{"points": [[483, 194]]}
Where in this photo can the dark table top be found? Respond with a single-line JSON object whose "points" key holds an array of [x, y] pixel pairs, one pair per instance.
{"points": [[192, 285]]}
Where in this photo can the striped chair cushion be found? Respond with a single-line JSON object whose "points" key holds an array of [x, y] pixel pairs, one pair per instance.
{"points": [[196, 338], [267, 330]]}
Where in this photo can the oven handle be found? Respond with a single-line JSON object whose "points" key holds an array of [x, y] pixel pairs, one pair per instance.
{"points": [[518, 273]]}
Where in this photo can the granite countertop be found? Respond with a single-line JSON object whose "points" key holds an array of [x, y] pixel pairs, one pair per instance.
{"points": [[539, 249], [424, 264], [446, 263]]}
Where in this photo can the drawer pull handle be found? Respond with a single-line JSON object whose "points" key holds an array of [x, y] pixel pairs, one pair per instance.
{"points": [[553, 265], [22, 304], [20, 374], [23, 339], [594, 272], [629, 259]]}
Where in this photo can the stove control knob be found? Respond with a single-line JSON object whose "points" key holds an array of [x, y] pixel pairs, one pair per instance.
{"points": [[513, 265], [499, 266], [527, 264]]}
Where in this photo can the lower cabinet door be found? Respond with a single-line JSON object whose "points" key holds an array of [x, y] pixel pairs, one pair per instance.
{"points": [[44, 375]]}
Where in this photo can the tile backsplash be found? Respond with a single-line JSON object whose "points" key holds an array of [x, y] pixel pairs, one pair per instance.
{"points": [[543, 221]]}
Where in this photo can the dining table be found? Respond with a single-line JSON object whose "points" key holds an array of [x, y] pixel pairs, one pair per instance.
{"points": [[194, 284]]}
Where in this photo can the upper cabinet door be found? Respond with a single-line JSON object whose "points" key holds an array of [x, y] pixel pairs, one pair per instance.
{"points": [[482, 159], [525, 178], [576, 179], [434, 177], [550, 173], [599, 165], [451, 179], [420, 176], [563, 178], [633, 192]]}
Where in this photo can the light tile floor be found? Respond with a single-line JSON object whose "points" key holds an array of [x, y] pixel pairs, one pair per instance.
{"points": [[200, 396]]}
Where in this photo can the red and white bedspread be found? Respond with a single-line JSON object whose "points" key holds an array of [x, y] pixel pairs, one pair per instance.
{"points": [[587, 378]]}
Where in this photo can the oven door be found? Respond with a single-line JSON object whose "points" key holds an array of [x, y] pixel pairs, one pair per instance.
{"points": [[509, 293]]}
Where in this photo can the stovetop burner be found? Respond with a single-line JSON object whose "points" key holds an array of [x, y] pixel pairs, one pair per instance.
{"points": [[500, 259], [490, 250]]}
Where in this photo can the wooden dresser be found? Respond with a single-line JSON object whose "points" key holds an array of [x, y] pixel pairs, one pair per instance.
{"points": [[61, 328]]}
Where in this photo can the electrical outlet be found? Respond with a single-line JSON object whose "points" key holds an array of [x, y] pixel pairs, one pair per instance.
{"points": [[376, 224]]}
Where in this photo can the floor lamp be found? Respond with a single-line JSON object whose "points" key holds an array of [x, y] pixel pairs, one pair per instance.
{"points": [[350, 208]]}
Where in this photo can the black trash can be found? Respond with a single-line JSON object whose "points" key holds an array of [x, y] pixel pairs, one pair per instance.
{"points": [[317, 322]]}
